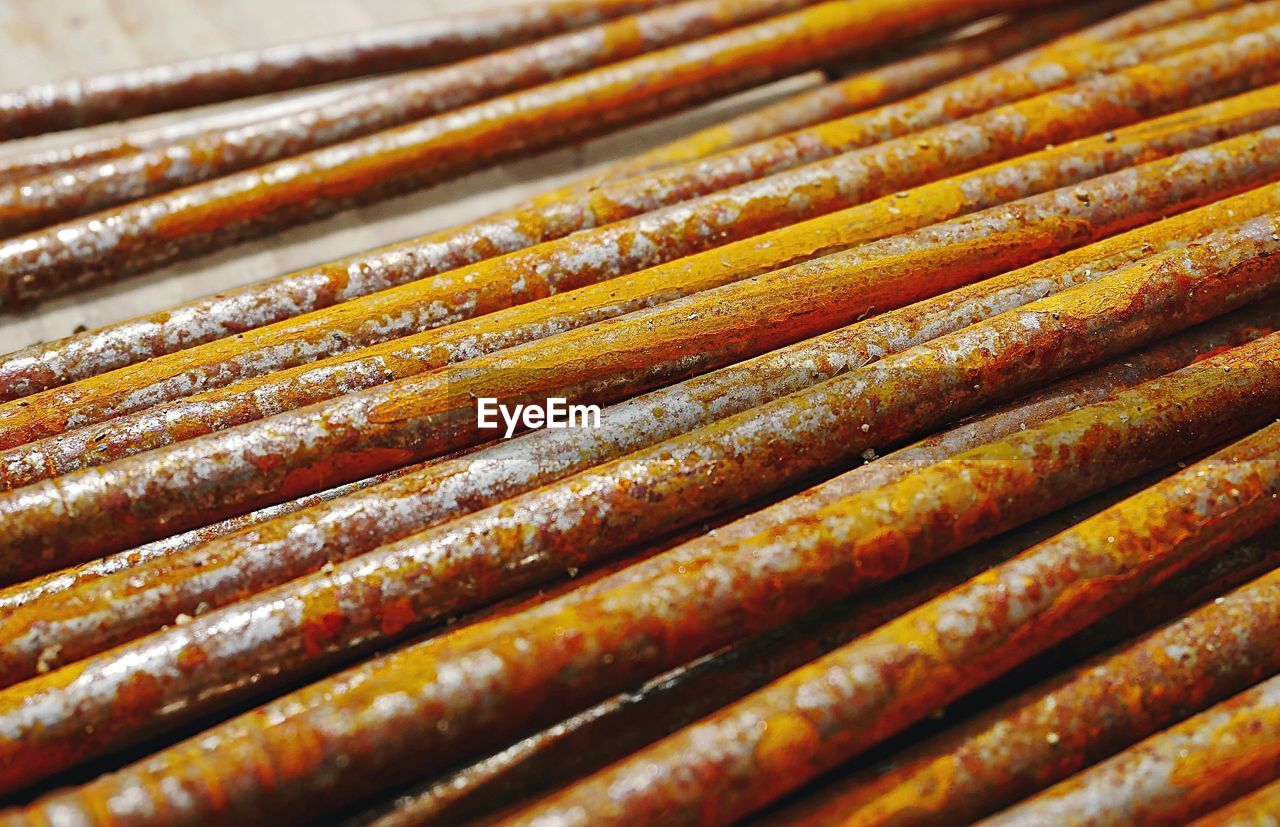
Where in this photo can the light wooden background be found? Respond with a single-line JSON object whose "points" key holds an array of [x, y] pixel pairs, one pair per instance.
{"points": [[54, 39]]}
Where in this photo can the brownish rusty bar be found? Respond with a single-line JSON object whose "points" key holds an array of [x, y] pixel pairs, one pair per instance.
{"points": [[1073, 721], [291, 547], [610, 730], [784, 735], [305, 187], [489, 285], [620, 725], [71, 615], [71, 104], [862, 90], [1173, 776], [1257, 809], [69, 518], [17, 165], [95, 443], [626, 722], [678, 481], [64, 194], [39, 367]]}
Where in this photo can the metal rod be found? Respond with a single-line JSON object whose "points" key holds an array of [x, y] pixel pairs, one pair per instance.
{"points": [[92, 353], [60, 195], [72, 104], [764, 446]]}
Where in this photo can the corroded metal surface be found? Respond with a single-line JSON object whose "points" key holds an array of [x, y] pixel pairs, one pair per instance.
{"points": [[1049, 732], [783, 735], [122, 607], [66, 519], [72, 622], [668, 485], [57, 196], [1173, 776], [860, 91], [1146, 194], [1258, 809], [95, 352], [76, 103], [613, 728], [16, 165], [264, 199]]}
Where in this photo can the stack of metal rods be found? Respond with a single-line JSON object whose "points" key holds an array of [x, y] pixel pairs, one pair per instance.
{"points": [[926, 460]]}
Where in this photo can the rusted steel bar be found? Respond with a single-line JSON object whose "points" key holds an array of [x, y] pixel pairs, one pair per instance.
{"points": [[963, 96], [18, 165], [616, 727], [291, 548], [1257, 809], [71, 104], [637, 612], [96, 441], [305, 187], [862, 90], [57, 582], [72, 619], [1176, 775], [620, 725], [46, 366], [805, 723], [69, 518], [1069, 723], [63, 194], [491, 285], [112, 610], [523, 540], [626, 722]]}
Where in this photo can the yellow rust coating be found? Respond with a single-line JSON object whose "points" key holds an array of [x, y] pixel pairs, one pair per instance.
{"points": [[47, 524], [1047, 733], [39, 201], [214, 214], [491, 285], [95, 352], [523, 670], [784, 735], [1173, 776], [860, 91], [1258, 809], [152, 427]]}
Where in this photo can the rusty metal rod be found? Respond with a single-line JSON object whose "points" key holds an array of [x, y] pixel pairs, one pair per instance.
{"points": [[292, 547], [626, 722], [1175, 775], [885, 400], [67, 619], [72, 104], [192, 582], [69, 518], [1071, 722], [623, 724], [620, 725], [960, 97], [26, 164], [308, 186], [492, 285], [64, 194], [860, 91], [784, 735], [94, 442], [45, 366], [1258, 809]]}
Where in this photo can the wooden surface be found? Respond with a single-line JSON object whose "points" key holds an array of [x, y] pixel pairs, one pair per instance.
{"points": [[44, 40]]}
